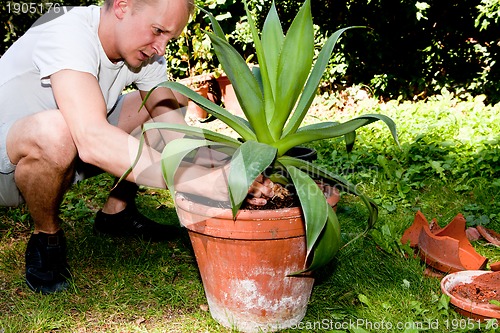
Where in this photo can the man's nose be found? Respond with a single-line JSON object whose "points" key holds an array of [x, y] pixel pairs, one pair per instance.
{"points": [[160, 45]]}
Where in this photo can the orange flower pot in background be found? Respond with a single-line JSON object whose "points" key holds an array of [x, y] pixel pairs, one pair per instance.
{"points": [[200, 84], [229, 96]]}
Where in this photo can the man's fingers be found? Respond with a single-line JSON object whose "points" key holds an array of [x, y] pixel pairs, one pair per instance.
{"points": [[264, 189], [260, 190], [257, 201]]}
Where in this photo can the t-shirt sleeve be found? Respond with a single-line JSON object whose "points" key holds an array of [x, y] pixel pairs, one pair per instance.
{"points": [[71, 47], [152, 74]]}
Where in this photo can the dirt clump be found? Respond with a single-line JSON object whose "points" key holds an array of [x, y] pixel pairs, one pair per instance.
{"points": [[482, 289]]}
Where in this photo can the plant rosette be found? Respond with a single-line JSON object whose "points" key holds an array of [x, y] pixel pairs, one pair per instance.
{"points": [[274, 97]]}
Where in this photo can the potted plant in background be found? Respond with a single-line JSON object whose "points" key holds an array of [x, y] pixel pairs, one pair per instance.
{"points": [[256, 268], [191, 62]]}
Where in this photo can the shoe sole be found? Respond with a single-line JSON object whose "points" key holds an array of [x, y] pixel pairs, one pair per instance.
{"points": [[44, 290]]}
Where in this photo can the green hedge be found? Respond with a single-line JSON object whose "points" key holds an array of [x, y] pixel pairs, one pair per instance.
{"points": [[413, 49], [410, 50]]}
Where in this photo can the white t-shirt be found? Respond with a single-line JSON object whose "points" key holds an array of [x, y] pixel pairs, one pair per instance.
{"points": [[68, 42]]}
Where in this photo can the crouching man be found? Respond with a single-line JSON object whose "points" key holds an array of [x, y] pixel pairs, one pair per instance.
{"points": [[61, 108]]}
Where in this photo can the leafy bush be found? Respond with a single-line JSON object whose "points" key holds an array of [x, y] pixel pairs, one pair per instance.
{"points": [[191, 54], [414, 49], [489, 12]]}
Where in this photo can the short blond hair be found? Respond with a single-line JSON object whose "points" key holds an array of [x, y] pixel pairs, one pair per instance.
{"points": [[189, 3]]}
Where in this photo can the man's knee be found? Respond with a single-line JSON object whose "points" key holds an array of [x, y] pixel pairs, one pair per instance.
{"points": [[44, 135]]}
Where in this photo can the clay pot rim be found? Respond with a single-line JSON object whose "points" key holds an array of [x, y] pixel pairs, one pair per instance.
{"points": [[225, 213], [478, 309], [249, 224], [187, 204]]}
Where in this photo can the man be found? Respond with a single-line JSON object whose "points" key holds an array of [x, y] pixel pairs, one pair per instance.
{"points": [[61, 107]]}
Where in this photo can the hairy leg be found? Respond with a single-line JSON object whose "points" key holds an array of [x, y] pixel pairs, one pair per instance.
{"points": [[42, 148]]}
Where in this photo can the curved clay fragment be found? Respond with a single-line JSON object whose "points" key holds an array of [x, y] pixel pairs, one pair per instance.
{"points": [[490, 235], [446, 249]]}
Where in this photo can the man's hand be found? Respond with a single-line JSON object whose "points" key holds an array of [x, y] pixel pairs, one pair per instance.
{"points": [[260, 190]]}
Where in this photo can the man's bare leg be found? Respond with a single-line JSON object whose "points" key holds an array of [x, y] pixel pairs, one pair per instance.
{"points": [[44, 153], [43, 150]]}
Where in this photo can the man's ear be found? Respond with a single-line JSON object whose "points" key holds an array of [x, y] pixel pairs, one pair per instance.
{"points": [[120, 7]]}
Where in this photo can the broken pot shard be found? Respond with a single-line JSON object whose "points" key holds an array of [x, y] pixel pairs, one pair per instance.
{"points": [[448, 250], [490, 235], [413, 232]]}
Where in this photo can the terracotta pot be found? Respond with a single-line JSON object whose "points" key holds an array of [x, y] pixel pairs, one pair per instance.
{"points": [[193, 109], [200, 84], [228, 96], [245, 264], [465, 306]]}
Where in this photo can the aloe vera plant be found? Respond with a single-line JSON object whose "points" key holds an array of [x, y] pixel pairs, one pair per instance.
{"points": [[275, 97]]}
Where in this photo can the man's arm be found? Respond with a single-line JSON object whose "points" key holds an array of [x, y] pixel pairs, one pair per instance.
{"points": [[99, 143]]}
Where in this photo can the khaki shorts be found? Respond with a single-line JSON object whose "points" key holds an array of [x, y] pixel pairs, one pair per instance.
{"points": [[9, 193]]}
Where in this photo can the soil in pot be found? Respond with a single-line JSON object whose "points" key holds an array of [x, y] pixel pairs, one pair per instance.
{"points": [[283, 198], [287, 198], [482, 289]]}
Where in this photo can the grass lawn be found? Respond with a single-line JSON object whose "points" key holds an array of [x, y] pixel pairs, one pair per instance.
{"points": [[447, 164]]}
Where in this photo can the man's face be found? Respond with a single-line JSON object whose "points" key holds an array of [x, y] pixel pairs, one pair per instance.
{"points": [[145, 31]]}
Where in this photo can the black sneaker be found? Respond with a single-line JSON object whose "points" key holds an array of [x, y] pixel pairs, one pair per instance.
{"points": [[131, 223], [47, 270]]}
